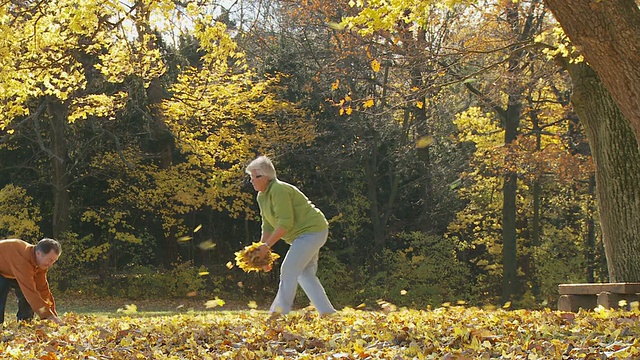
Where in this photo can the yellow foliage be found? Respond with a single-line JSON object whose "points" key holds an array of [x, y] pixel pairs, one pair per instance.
{"points": [[19, 217], [375, 65], [368, 103], [248, 260]]}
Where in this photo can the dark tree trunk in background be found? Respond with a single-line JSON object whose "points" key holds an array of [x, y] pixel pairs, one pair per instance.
{"points": [[617, 163], [509, 206], [60, 177]]}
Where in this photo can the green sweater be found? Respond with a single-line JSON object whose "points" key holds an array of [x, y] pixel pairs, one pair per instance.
{"points": [[283, 205]]}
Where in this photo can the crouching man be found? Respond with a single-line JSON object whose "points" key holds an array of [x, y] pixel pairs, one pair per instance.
{"points": [[23, 267]]}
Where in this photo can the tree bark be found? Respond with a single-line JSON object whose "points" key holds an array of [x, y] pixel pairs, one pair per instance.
{"points": [[59, 176], [608, 35], [617, 163]]}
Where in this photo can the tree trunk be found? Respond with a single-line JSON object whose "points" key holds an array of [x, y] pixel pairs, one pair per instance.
{"points": [[509, 206], [60, 175], [608, 35], [590, 239], [617, 163], [370, 174]]}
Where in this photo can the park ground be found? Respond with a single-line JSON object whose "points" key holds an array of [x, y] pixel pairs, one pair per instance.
{"points": [[195, 329]]}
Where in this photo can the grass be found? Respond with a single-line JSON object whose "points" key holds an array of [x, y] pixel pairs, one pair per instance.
{"points": [[112, 307]]}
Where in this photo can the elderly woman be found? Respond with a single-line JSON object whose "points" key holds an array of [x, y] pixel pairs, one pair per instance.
{"points": [[287, 214]]}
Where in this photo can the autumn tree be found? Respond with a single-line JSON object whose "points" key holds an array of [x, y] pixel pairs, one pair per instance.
{"points": [[56, 75], [94, 89], [372, 127], [515, 92]]}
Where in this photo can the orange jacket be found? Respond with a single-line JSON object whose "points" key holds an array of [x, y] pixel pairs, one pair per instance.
{"points": [[18, 261]]}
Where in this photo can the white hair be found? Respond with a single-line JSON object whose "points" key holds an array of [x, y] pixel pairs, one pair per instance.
{"points": [[262, 165]]}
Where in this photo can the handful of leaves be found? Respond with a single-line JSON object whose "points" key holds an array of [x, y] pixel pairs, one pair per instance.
{"points": [[253, 258]]}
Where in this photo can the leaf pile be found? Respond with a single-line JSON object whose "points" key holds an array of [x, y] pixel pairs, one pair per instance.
{"points": [[444, 333], [249, 259]]}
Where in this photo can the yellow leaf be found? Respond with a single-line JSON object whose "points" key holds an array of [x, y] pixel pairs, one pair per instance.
{"points": [[197, 228], [203, 273], [214, 303], [335, 85], [424, 141], [229, 265], [369, 103], [252, 305], [349, 110], [419, 104], [403, 292], [375, 65], [184, 238], [128, 309], [335, 25], [207, 245]]}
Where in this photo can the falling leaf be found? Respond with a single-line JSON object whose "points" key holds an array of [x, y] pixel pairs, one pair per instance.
{"points": [[214, 303], [184, 238], [197, 228], [128, 309], [506, 305], [335, 85], [369, 103], [203, 273], [361, 306], [252, 305], [375, 65], [424, 141], [207, 245], [419, 104], [240, 284], [403, 292], [335, 25], [349, 110], [230, 265]]}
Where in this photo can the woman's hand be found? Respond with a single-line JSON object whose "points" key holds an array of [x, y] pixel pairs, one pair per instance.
{"points": [[56, 320], [265, 252]]}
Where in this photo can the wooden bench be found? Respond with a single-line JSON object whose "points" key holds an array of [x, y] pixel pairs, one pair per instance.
{"points": [[589, 296]]}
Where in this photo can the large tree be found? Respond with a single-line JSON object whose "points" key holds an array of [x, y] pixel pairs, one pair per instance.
{"points": [[608, 35], [617, 162]]}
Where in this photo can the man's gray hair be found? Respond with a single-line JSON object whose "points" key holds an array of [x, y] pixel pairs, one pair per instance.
{"points": [[46, 245], [262, 165]]}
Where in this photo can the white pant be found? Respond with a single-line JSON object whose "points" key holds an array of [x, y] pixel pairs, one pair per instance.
{"points": [[299, 267]]}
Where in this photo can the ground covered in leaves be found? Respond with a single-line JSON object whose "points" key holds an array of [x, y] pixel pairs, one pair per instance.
{"points": [[449, 332]]}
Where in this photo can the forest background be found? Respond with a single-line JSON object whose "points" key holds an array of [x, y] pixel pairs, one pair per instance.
{"points": [[443, 148]]}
